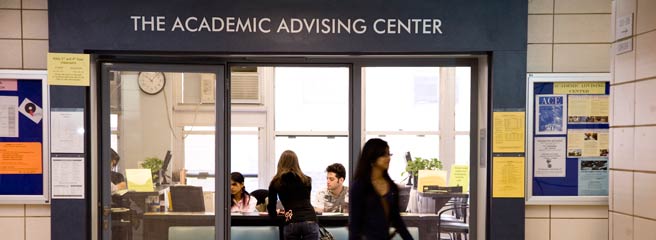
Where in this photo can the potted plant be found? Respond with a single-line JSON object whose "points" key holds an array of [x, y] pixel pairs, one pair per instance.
{"points": [[154, 164], [419, 163]]}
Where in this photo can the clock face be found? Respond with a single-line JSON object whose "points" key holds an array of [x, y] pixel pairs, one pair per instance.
{"points": [[151, 82]]}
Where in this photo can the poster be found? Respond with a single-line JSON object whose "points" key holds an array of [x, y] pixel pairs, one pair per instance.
{"points": [[67, 177], [508, 177], [67, 131], [9, 116], [586, 109], [587, 143], [593, 177], [20, 158], [550, 157], [508, 132], [30, 110], [550, 114], [579, 88], [70, 69], [459, 176], [8, 85]]}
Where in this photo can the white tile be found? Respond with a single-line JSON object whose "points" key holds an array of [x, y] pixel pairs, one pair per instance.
{"points": [[539, 58], [579, 211], [624, 65], [37, 210], [35, 53], [10, 4], [10, 24], [644, 195], [540, 28], [12, 210], [537, 229], [623, 97], [579, 229], [622, 227], [12, 228], [537, 211], [622, 150], [582, 6], [644, 229], [10, 54], [645, 137], [35, 4], [646, 55], [622, 192], [35, 24], [646, 20], [581, 58], [540, 6], [582, 28], [645, 102], [38, 228]]}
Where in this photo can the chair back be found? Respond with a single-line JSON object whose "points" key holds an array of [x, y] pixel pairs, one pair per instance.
{"points": [[260, 195]]}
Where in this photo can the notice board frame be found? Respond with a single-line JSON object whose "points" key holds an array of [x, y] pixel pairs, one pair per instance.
{"points": [[532, 79], [42, 76]]}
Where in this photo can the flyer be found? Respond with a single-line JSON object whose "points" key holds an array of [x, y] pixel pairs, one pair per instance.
{"points": [[550, 114], [550, 157], [587, 143], [8, 116], [586, 109], [593, 177]]}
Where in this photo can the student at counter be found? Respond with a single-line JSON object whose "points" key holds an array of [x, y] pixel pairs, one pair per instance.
{"points": [[117, 179], [334, 198], [241, 200], [294, 189], [374, 206]]}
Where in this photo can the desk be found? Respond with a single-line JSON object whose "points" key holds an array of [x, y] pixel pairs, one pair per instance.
{"points": [[156, 224]]}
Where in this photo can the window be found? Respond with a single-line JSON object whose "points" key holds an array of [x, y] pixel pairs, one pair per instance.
{"points": [[311, 118], [113, 125]]}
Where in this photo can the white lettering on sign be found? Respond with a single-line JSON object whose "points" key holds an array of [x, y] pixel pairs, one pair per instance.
{"points": [[230, 24]]}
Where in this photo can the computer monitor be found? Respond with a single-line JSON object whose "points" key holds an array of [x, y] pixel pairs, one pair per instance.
{"points": [[187, 199], [165, 167], [408, 159]]}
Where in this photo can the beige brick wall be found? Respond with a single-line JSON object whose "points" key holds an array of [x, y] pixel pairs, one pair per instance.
{"points": [[568, 36], [24, 45], [633, 127]]}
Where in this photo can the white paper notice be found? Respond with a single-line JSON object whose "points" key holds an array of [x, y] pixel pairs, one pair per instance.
{"points": [[67, 177], [8, 116], [550, 157], [67, 131]]}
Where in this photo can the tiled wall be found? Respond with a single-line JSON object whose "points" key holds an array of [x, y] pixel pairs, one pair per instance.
{"points": [[633, 127], [568, 36], [24, 45]]}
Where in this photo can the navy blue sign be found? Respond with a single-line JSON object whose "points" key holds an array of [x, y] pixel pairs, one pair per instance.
{"points": [[288, 26]]}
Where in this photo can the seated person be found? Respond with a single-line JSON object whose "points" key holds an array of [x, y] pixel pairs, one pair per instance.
{"points": [[335, 197], [117, 179], [241, 200]]}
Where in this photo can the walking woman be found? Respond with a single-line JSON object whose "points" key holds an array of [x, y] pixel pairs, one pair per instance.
{"points": [[374, 205], [241, 200], [293, 187]]}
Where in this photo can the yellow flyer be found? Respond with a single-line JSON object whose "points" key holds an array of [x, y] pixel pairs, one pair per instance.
{"points": [[68, 69], [579, 88], [509, 132], [508, 177], [459, 176]]}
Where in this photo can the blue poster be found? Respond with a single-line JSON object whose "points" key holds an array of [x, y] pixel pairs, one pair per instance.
{"points": [[550, 116], [593, 176]]}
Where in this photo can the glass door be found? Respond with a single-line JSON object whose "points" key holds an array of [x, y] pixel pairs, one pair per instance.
{"points": [[145, 112]]}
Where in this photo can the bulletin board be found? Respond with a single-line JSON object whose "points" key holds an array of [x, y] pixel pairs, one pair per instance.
{"points": [[24, 144], [568, 138]]}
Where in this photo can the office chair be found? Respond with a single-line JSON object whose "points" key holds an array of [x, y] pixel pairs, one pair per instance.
{"points": [[455, 225]]}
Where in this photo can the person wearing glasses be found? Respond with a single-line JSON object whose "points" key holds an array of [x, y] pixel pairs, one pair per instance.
{"points": [[334, 198], [293, 187], [374, 206]]}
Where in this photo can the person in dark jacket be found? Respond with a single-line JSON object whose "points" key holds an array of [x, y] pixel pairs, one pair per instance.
{"points": [[374, 205], [293, 187]]}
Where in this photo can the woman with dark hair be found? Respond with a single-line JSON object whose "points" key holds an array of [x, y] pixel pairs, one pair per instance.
{"points": [[293, 187], [374, 205], [241, 200], [117, 179]]}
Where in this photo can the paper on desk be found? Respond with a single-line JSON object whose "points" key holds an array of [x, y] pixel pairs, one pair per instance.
{"points": [[430, 177], [139, 180]]}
